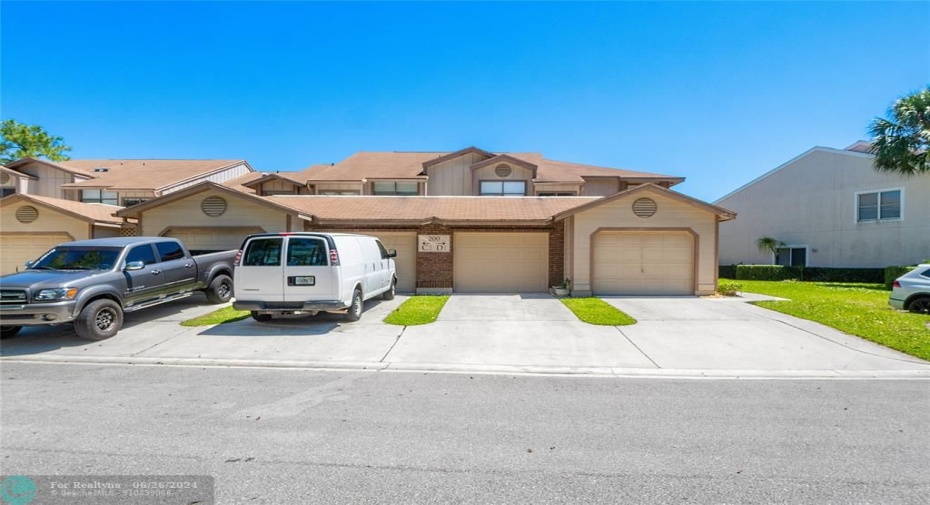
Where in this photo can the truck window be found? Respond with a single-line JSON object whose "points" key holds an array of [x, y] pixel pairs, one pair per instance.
{"points": [[306, 252], [169, 250], [262, 252], [143, 253], [384, 253], [64, 258]]}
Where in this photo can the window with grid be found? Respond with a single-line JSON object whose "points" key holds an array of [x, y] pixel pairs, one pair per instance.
{"points": [[879, 206], [503, 188], [394, 188], [99, 196]]}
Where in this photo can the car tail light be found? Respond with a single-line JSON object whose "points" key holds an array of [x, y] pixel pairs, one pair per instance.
{"points": [[896, 284], [238, 258], [333, 257]]}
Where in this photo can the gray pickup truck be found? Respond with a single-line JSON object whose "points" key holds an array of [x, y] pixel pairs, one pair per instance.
{"points": [[93, 282]]}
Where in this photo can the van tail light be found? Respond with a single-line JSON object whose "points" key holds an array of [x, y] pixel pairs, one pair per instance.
{"points": [[896, 284], [333, 257], [238, 258]]}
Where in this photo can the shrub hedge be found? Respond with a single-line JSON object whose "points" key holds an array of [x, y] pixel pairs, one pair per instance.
{"points": [[813, 274]]}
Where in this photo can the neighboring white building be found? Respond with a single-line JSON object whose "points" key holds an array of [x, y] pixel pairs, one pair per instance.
{"points": [[830, 208]]}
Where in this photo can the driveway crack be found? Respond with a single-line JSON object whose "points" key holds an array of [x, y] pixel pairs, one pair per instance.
{"points": [[396, 340], [628, 339]]}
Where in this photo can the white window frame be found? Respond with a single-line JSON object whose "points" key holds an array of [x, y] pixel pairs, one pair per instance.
{"points": [[416, 188], [502, 182], [807, 253], [879, 218], [100, 198]]}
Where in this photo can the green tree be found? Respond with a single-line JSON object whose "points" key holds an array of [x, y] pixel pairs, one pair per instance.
{"points": [[769, 244], [900, 143], [19, 140]]}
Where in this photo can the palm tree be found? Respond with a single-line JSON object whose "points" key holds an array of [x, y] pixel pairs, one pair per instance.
{"points": [[900, 143], [769, 244]]}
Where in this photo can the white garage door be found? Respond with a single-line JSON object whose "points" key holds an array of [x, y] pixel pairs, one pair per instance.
{"points": [[18, 248], [212, 239], [643, 263], [500, 262]]}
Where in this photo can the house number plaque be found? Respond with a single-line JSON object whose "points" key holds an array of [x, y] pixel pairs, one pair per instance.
{"points": [[435, 243]]}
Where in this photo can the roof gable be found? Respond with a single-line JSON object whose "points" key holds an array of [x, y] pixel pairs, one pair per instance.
{"points": [[135, 210], [56, 165], [723, 214], [89, 212], [506, 158], [456, 154]]}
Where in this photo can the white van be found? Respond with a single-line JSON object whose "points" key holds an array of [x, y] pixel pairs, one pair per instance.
{"points": [[295, 273]]}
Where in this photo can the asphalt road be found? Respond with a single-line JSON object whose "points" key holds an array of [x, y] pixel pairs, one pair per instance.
{"points": [[297, 436]]}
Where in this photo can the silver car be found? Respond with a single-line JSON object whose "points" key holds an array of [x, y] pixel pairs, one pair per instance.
{"points": [[911, 291]]}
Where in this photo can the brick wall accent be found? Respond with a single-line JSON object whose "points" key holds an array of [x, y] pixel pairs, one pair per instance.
{"points": [[434, 270], [557, 253]]}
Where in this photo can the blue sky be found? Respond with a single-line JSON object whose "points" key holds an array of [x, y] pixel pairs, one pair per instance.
{"points": [[718, 92]]}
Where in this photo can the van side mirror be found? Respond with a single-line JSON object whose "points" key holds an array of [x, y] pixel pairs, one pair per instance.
{"points": [[135, 265], [392, 253]]}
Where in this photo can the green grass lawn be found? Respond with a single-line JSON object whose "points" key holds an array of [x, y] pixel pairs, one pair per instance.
{"points": [[597, 311], [420, 309], [857, 309], [224, 315]]}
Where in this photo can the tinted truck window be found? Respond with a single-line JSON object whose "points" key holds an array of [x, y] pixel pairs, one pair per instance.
{"points": [[169, 251], [263, 252], [143, 253], [306, 252]]}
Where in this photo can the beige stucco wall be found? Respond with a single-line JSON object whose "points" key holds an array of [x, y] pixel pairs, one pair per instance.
{"points": [[811, 202], [453, 177], [49, 180], [618, 214], [186, 212], [48, 221]]}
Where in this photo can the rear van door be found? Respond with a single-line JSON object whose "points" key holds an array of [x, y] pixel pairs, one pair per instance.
{"points": [[259, 275], [308, 275]]}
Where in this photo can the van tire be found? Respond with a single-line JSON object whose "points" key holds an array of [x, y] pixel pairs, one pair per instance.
{"points": [[99, 320], [389, 294], [9, 331], [355, 310], [262, 318], [220, 289]]}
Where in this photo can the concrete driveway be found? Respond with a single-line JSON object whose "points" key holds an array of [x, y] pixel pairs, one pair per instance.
{"points": [[494, 333]]}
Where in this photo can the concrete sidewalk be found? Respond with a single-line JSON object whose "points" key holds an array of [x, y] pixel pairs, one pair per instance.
{"points": [[677, 337]]}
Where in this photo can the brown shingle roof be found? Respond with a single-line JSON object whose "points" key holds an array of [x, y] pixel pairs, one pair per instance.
{"points": [[409, 165], [96, 212], [482, 209], [142, 174]]}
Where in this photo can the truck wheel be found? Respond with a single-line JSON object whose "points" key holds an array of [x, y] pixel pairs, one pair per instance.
{"points": [[9, 331], [220, 290], [99, 320], [389, 294], [262, 318], [355, 310]]}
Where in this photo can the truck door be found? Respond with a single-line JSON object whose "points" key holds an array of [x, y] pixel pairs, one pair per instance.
{"points": [[179, 270], [144, 284]]}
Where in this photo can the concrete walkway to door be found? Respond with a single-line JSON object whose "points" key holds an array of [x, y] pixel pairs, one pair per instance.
{"points": [[673, 336]]}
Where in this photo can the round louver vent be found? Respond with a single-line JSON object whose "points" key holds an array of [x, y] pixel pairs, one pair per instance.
{"points": [[644, 207], [503, 170], [4, 177], [26, 214], [213, 206]]}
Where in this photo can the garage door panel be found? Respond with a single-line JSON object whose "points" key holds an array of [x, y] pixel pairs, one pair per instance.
{"points": [[643, 263], [19, 248], [501, 262]]}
